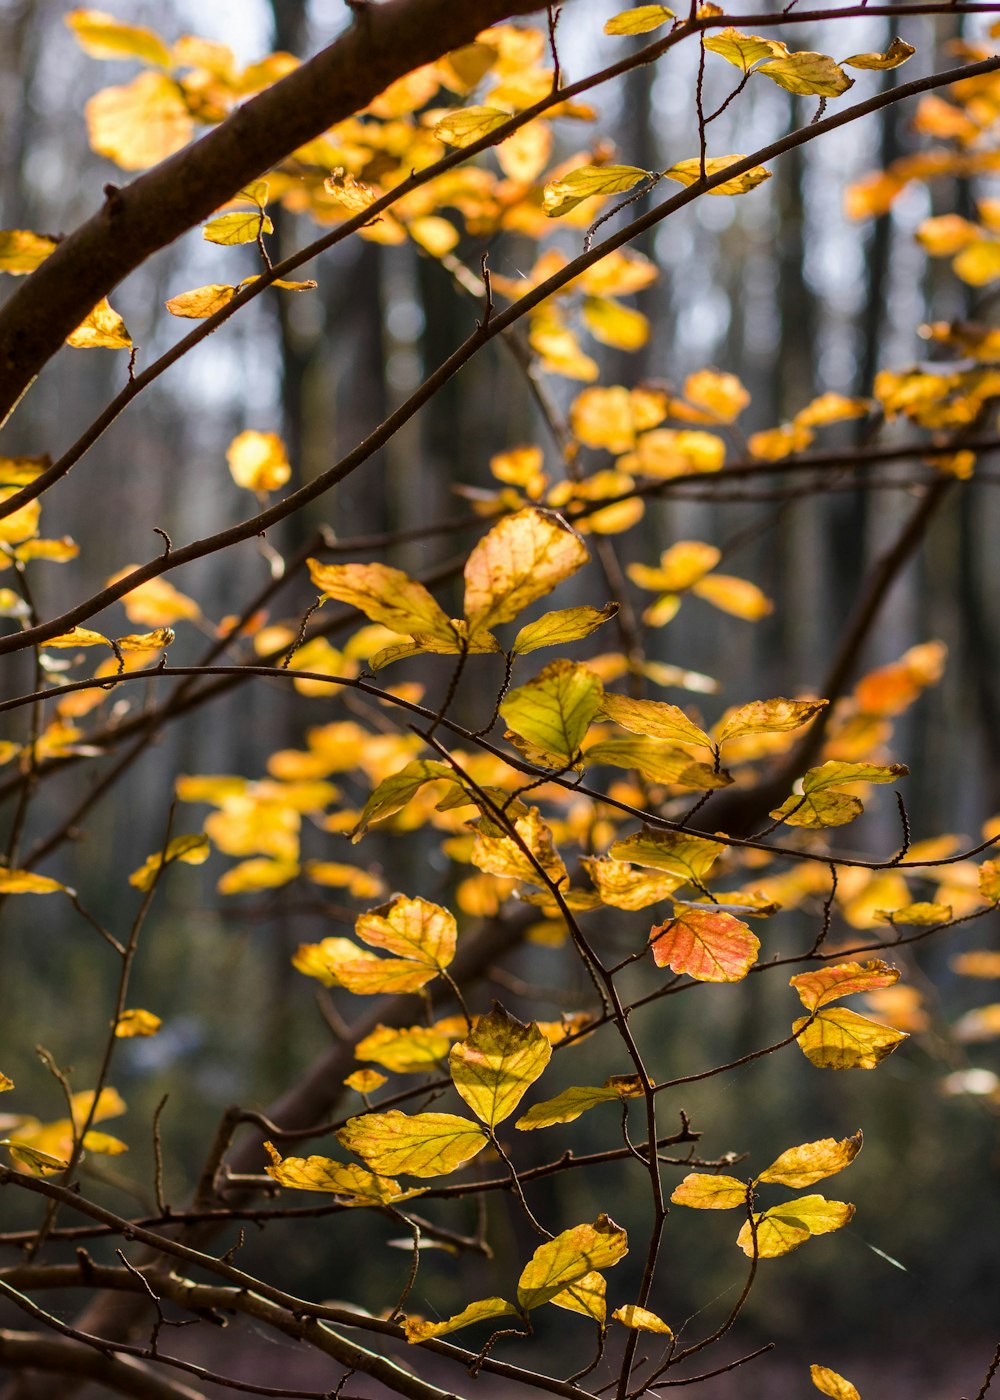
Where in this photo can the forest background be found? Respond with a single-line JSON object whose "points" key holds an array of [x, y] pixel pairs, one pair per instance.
{"points": [[783, 289]]}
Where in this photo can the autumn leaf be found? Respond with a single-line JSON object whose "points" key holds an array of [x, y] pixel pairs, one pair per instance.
{"points": [[658, 761], [338, 1178], [502, 855], [803, 1166], [777, 716], [407, 1050], [469, 124], [103, 329], [783, 1228], [654, 719], [639, 20], [702, 1191], [688, 857], [742, 50], [258, 461], [553, 712], [102, 36], [155, 603], [494, 1067], [613, 324], [238, 226], [709, 946], [136, 1023], [486, 1309], [421, 1144], [568, 1258], [564, 194], [688, 172], [560, 627], [337, 962], [827, 1381], [21, 251], [840, 1039], [394, 792], [193, 849], [623, 887], [898, 52], [520, 560], [385, 595], [415, 929], [588, 1297], [832, 981], [26, 882], [641, 1319], [567, 1106], [807, 74], [140, 124]]}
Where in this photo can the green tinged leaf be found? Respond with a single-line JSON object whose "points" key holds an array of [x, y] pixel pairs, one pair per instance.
{"points": [[568, 1258], [485, 1310], [560, 627], [494, 1067], [553, 712], [689, 858], [394, 792], [579, 1098]]}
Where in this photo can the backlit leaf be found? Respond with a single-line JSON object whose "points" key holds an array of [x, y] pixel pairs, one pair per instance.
{"points": [[136, 643], [742, 50], [201, 301], [136, 1023], [365, 1081], [258, 873], [77, 637], [613, 324], [641, 1319], [562, 626], [102, 36], [103, 329], [831, 408], [338, 1178], [821, 809], [394, 792], [777, 716], [775, 443], [803, 1166], [623, 887], [783, 1228], [568, 1258], [829, 983], [639, 20], [898, 52], [258, 461], [21, 251], [554, 711], [5, 1083], [588, 1297], [921, 914], [140, 124], [688, 172], [385, 595], [496, 1065], [737, 596], [979, 1024], [411, 928], [808, 74], [484, 1310], [239, 226], [702, 1191], [653, 719], [658, 761], [707, 945], [564, 194], [421, 1144], [469, 124], [408, 1050], [572, 1102], [155, 603], [337, 962], [25, 882], [688, 857], [501, 855], [980, 962], [841, 1039], [521, 559], [721, 395]]}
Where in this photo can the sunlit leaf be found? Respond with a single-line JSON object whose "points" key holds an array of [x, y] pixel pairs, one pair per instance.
{"points": [[137, 1023], [21, 251], [562, 626], [337, 962], [707, 945], [979, 1024], [554, 711], [803, 1166], [702, 1191], [980, 962], [807, 74], [564, 194], [239, 226], [821, 809], [840, 1039], [572, 1102], [783, 1228], [138, 643], [568, 1258], [103, 329], [641, 1319], [339, 1178], [421, 1144], [688, 857], [688, 172], [494, 1067], [365, 1081], [639, 20], [653, 719], [611, 417], [775, 443], [77, 637], [897, 52], [831, 408], [777, 716], [140, 124], [921, 914], [155, 603], [385, 595], [830, 982], [258, 461], [469, 124], [411, 928], [394, 792], [102, 36], [742, 50], [521, 559], [613, 324], [588, 1297], [482, 1311], [5, 1083], [501, 855], [623, 887], [659, 761], [720, 395], [25, 882], [408, 1050], [258, 873]]}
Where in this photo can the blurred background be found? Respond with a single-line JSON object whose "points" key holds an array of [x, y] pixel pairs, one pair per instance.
{"points": [[780, 289]]}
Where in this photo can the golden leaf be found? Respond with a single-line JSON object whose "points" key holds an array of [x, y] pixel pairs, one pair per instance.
{"points": [[422, 1144], [102, 36], [469, 124], [586, 181], [736, 596], [624, 887], [258, 461], [385, 595], [613, 324], [743, 50], [494, 1067], [338, 1178], [568, 1258], [103, 329], [701, 1191], [831, 408], [567, 1106], [840, 1039], [658, 761], [408, 1050], [155, 603], [191, 850], [501, 855], [136, 1023], [778, 716], [77, 637], [365, 1081], [803, 1166], [239, 226], [21, 251], [687, 857], [587, 1297], [639, 20], [808, 74], [783, 1228], [653, 719], [482, 1311], [829, 983], [140, 124], [688, 172], [776, 443], [560, 627], [520, 560], [258, 873], [24, 882], [5, 1083], [411, 928], [680, 567], [641, 1319], [898, 52], [721, 395]]}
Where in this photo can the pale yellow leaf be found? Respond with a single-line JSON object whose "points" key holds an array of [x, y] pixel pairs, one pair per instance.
{"points": [[140, 124], [258, 461], [688, 172], [21, 251], [840, 1039], [469, 124], [799, 1167], [783, 1228], [639, 20], [103, 329], [701, 1191], [102, 36], [520, 560], [641, 1319]]}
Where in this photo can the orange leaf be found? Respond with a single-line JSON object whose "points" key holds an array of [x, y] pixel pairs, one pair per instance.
{"points": [[709, 946]]}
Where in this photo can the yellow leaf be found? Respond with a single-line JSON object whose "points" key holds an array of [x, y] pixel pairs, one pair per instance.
{"points": [[136, 1023], [701, 1191], [831, 408], [408, 1050], [553, 712], [156, 603], [520, 560], [612, 417], [338, 1178], [568, 1258], [56, 551], [708, 945], [21, 251], [484, 1310], [670, 452], [394, 792], [140, 124], [981, 1023], [658, 761], [525, 153], [803, 1166], [829, 983], [641, 1319], [361, 884], [424, 1144], [385, 595], [411, 928], [102, 36], [192, 850], [778, 716], [736, 596], [501, 855], [258, 461], [653, 719], [979, 263], [24, 882], [521, 466], [551, 338], [980, 962], [104, 1143], [27, 1157], [469, 124], [825, 1380], [587, 1296], [721, 395], [258, 873], [808, 74], [103, 329], [898, 52], [623, 887], [137, 643], [776, 443], [434, 234], [743, 50], [240, 226], [365, 1081], [586, 181], [77, 637], [687, 857], [496, 1065], [613, 324], [579, 1098], [560, 627], [818, 810], [639, 20], [783, 1228], [841, 1039], [681, 566], [688, 172]]}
